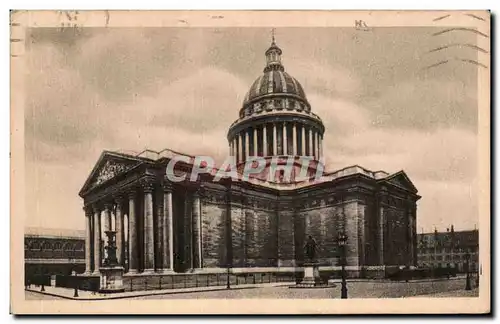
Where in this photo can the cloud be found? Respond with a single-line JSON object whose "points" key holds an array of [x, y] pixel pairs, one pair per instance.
{"points": [[132, 89], [442, 164], [443, 155], [426, 105], [320, 78], [341, 117], [52, 199], [447, 203], [207, 99]]}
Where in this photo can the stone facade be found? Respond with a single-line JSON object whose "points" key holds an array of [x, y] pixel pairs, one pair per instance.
{"points": [[244, 225], [248, 223]]}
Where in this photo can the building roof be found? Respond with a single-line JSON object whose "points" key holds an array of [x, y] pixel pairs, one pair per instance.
{"points": [[467, 238], [54, 232], [399, 179]]}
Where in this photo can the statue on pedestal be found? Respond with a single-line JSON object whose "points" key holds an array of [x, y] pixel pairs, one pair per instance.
{"points": [[310, 249], [111, 271], [110, 259], [312, 278], [311, 270]]}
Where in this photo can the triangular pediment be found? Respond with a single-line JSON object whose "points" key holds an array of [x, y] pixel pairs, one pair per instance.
{"points": [[109, 165], [401, 179]]}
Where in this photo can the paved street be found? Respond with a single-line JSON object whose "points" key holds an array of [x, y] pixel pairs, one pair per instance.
{"points": [[360, 289], [366, 289], [28, 295]]}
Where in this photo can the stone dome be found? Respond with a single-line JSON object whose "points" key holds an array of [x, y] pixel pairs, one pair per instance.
{"points": [[275, 118], [274, 82], [275, 88]]}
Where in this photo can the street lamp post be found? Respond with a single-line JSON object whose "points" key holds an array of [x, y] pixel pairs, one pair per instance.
{"points": [[228, 283], [75, 294], [467, 278], [342, 240], [75, 280]]}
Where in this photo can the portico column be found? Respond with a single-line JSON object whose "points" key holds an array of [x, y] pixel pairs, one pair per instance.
{"points": [[303, 140], [149, 263], [88, 240], [119, 229], [285, 140], [97, 240], [240, 148], [264, 140], [159, 237], [197, 252], [316, 147], [132, 240], [247, 144], [320, 146], [168, 229], [255, 141], [381, 224], [107, 217], [311, 152], [275, 140], [294, 139]]}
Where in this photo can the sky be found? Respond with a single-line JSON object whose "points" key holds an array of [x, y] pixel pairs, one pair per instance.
{"points": [[384, 105]]}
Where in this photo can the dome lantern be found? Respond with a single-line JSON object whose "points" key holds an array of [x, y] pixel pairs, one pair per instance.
{"points": [[273, 57]]}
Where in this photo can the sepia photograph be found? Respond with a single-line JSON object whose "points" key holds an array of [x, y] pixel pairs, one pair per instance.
{"points": [[251, 162]]}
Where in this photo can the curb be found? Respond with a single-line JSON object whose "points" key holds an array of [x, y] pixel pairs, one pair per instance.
{"points": [[166, 292], [50, 294]]}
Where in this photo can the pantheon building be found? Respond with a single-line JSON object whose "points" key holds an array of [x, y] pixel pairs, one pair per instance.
{"points": [[255, 224]]}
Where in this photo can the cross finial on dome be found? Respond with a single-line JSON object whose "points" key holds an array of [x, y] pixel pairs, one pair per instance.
{"points": [[273, 55]]}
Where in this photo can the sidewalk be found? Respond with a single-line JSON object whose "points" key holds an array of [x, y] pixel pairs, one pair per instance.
{"points": [[68, 293], [455, 293]]}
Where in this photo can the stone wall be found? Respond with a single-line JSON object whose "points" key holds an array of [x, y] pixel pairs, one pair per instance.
{"points": [[286, 240], [323, 222], [352, 211], [270, 231], [395, 240], [213, 234], [254, 233], [251, 235], [238, 235], [268, 238], [371, 233]]}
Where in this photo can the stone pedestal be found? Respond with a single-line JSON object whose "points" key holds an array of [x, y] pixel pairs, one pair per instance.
{"points": [[111, 280], [311, 275], [111, 271], [312, 278]]}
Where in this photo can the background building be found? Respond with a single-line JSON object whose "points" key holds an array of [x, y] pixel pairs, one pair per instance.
{"points": [[257, 224], [50, 251], [448, 249]]}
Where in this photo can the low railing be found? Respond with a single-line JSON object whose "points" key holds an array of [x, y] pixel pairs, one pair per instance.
{"points": [[37, 280], [397, 274], [159, 282], [79, 282]]}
